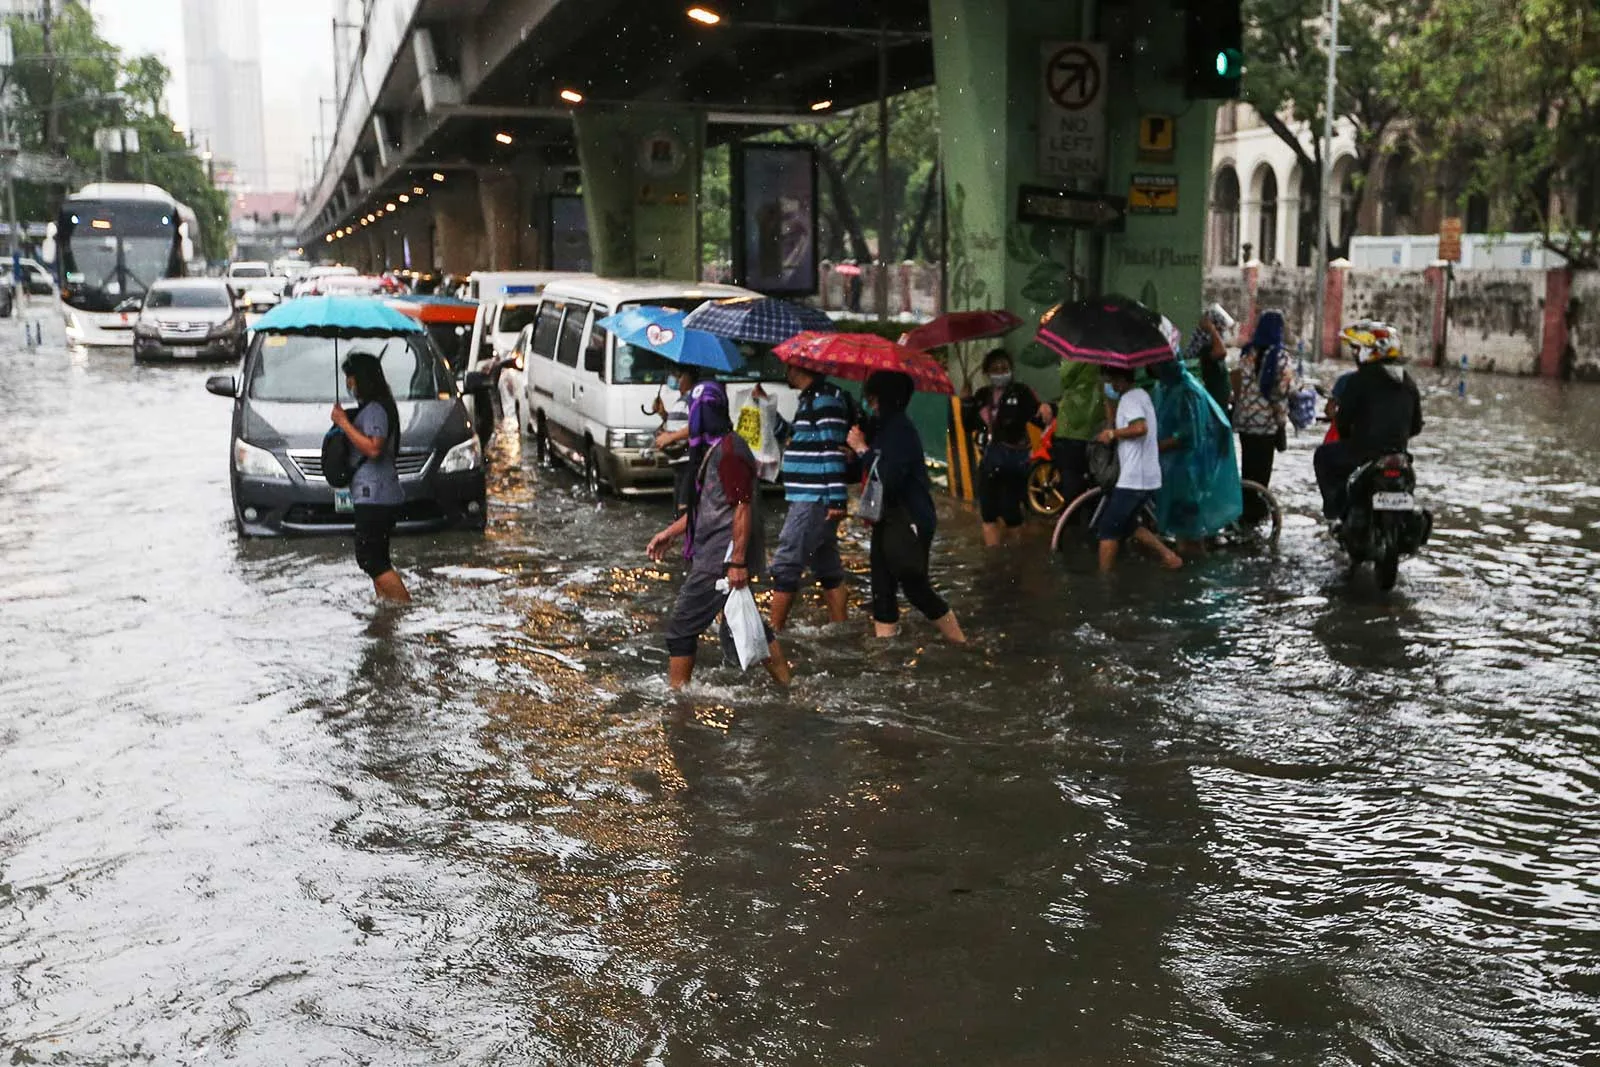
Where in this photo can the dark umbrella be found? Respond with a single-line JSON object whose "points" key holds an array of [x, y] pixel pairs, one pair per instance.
{"points": [[1112, 331], [763, 319]]}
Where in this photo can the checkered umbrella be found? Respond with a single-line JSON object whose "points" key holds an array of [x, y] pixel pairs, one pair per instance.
{"points": [[763, 319]]}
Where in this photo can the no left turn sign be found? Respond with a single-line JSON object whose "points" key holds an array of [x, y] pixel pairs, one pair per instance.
{"points": [[1072, 78]]}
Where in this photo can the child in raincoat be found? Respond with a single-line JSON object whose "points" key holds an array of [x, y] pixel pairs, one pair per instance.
{"points": [[1200, 492]]}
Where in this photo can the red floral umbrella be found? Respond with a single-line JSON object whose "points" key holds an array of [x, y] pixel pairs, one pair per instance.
{"points": [[959, 326], [854, 356]]}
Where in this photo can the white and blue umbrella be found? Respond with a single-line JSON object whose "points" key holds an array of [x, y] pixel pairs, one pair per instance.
{"points": [[763, 319], [663, 331]]}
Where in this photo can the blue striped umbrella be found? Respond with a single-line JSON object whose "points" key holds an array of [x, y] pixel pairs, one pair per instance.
{"points": [[762, 319]]}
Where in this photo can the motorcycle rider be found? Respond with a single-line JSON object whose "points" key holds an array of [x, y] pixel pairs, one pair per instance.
{"points": [[1380, 411]]}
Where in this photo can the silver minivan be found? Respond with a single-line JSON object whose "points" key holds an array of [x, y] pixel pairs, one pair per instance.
{"points": [[590, 399]]}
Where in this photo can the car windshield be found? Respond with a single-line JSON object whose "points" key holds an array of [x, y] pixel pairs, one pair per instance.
{"points": [[249, 272], [633, 365], [299, 369], [513, 317], [188, 297]]}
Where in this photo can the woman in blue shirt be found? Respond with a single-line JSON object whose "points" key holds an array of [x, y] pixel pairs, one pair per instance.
{"points": [[374, 431]]}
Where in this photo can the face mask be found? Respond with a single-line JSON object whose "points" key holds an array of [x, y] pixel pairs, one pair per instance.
{"points": [[999, 381], [672, 382], [1111, 392]]}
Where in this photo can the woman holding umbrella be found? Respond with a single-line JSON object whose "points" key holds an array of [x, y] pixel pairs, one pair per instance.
{"points": [[903, 538]]}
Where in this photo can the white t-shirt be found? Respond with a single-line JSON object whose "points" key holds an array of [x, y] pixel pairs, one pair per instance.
{"points": [[1138, 457]]}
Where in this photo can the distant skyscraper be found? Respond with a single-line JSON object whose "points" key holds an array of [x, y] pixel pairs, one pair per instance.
{"points": [[222, 56]]}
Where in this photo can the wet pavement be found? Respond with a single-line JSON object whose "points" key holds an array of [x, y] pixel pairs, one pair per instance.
{"points": [[1253, 812]]}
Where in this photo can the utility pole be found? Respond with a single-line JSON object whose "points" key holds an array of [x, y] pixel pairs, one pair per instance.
{"points": [[1327, 180], [885, 211], [52, 122]]}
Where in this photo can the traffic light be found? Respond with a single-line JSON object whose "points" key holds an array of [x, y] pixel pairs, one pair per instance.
{"points": [[1213, 50]]}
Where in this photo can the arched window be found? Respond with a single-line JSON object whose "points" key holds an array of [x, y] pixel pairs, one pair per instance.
{"points": [[1398, 207], [1266, 197], [1225, 218]]}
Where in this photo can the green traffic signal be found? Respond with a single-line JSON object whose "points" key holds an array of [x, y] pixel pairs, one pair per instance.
{"points": [[1229, 62]]}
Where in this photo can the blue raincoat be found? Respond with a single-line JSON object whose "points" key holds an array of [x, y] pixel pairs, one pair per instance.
{"points": [[1200, 491]]}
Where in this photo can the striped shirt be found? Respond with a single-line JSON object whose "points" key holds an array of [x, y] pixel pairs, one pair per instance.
{"points": [[678, 419], [814, 463]]}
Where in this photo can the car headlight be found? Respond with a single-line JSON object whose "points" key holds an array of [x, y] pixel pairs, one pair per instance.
{"points": [[253, 462], [227, 328], [466, 456], [630, 438]]}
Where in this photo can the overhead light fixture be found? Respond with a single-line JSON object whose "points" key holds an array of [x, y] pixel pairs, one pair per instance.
{"points": [[404, 198], [389, 206], [419, 190], [329, 238], [704, 16], [572, 96], [503, 137], [822, 105], [438, 176]]}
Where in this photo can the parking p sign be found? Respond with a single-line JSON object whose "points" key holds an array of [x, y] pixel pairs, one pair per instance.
{"points": [[1072, 111]]}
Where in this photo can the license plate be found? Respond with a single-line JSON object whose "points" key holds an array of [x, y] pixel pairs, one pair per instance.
{"points": [[342, 502], [1393, 502]]}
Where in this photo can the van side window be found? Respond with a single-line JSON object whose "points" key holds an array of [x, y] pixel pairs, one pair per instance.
{"points": [[546, 328], [594, 356], [571, 334]]}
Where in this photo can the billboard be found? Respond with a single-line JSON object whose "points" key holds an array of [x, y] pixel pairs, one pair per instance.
{"points": [[569, 234], [775, 218]]}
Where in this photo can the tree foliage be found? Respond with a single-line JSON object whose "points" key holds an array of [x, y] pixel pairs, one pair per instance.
{"points": [[1505, 95], [1286, 80], [81, 83]]}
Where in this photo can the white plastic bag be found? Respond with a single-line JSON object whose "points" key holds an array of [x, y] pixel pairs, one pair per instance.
{"points": [[744, 621]]}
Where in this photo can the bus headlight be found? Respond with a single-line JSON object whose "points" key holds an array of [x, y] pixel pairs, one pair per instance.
{"points": [[253, 462], [466, 456]]}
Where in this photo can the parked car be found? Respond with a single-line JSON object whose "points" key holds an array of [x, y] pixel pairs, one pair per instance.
{"points": [[589, 399], [37, 279], [257, 302], [247, 271], [189, 319], [8, 295], [280, 413]]}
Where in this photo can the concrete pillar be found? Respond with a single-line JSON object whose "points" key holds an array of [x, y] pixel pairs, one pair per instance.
{"points": [[1334, 284], [458, 224], [1435, 278], [641, 191], [502, 220], [1555, 337], [988, 56]]}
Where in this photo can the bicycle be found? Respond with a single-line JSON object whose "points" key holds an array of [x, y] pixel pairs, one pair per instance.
{"points": [[1085, 510]]}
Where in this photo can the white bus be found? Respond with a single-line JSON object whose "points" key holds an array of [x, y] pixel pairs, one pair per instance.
{"points": [[110, 242]]}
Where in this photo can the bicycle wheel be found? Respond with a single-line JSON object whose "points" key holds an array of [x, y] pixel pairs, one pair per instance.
{"points": [[1274, 520], [1085, 507], [1044, 489]]}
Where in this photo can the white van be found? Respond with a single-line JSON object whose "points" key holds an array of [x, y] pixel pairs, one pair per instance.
{"points": [[486, 285], [590, 399], [495, 329]]}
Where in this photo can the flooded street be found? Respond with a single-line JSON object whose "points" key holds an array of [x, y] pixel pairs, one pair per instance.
{"points": [[1252, 812]]}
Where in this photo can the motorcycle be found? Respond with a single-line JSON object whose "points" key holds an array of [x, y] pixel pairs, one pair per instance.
{"points": [[1382, 521], [1044, 484]]}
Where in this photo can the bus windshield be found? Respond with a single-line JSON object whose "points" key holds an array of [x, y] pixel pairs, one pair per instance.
{"points": [[113, 250]]}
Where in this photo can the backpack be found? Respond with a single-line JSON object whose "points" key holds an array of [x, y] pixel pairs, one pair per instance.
{"points": [[340, 460], [1303, 407]]}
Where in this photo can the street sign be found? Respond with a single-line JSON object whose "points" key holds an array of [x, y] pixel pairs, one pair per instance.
{"points": [[1157, 138], [1153, 194], [1062, 207], [1072, 111], [1450, 238]]}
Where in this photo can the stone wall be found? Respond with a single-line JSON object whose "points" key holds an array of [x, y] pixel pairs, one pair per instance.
{"points": [[1583, 326], [1496, 320], [1402, 298], [1289, 289]]}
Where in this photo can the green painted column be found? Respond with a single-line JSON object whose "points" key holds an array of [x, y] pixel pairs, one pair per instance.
{"points": [[641, 190], [990, 65]]}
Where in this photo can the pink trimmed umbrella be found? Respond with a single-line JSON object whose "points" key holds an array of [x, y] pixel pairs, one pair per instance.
{"points": [[958, 326], [855, 356], [1112, 331]]}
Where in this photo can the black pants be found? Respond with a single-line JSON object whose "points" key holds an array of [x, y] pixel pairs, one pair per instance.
{"points": [[1071, 460], [1256, 454], [887, 585], [1002, 484], [374, 523], [1334, 464]]}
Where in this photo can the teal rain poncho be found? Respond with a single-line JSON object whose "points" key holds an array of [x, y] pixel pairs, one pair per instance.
{"points": [[1199, 492]]}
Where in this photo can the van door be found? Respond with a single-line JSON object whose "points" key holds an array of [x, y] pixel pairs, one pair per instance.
{"points": [[594, 393], [547, 380], [569, 350]]}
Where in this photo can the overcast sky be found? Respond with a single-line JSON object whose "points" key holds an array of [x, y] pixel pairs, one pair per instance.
{"points": [[296, 66]]}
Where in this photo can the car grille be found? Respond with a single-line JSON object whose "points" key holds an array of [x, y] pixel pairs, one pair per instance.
{"points": [[309, 463], [187, 330], [325, 515]]}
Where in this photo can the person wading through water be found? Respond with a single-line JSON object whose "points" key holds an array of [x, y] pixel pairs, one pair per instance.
{"points": [[375, 486]]}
